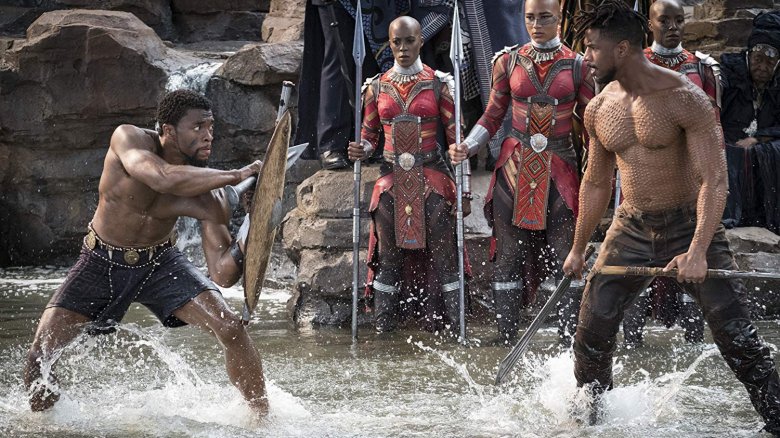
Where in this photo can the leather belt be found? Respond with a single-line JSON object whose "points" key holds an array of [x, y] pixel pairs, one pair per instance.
{"points": [[131, 256], [408, 160], [558, 145]]}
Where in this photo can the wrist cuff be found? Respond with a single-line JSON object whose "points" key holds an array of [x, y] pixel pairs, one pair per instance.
{"points": [[238, 256]]}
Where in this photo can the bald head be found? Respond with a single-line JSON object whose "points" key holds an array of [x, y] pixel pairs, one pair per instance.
{"points": [[407, 23], [661, 7], [405, 40], [552, 5], [667, 22], [541, 19]]}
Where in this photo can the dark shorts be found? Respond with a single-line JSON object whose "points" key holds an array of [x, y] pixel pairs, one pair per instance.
{"points": [[103, 289]]}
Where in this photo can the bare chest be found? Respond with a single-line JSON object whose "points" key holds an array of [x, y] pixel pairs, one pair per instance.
{"points": [[650, 124]]}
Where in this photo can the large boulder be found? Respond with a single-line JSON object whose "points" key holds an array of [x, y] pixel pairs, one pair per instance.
{"points": [[721, 26], [244, 120], [264, 63], [64, 89], [203, 20], [753, 239], [284, 21], [212, 6], [317, 236], [17, 15]]}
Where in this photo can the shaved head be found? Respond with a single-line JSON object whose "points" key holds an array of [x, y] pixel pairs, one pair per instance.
{"points": [[405, 22], [667, 22], [541, 19], [547, 4], [659, 6], [405, 40]]}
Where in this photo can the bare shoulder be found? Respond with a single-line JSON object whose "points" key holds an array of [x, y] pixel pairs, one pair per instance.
{"points": [[688, 101], [132, 137], [591, 111]]}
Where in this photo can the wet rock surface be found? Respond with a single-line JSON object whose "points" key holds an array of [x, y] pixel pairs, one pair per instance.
{"points": [[71, 76]]}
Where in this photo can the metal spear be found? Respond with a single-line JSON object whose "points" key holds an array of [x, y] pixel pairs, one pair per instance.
{"points": [[358, 53], [456, 56]]}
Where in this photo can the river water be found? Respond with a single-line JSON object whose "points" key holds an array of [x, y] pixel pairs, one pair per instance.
{"points": [[146, 381]]}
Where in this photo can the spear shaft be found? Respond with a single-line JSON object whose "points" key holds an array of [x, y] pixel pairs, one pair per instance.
{"points": [[643, 271]]}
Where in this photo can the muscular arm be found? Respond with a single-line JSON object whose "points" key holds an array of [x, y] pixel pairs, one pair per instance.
{"points": [[137, 152], [596, 187], [217, 239], [704, 138]]}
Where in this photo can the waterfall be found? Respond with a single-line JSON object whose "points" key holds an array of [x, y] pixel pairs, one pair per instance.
{"points": [[193, 77]]}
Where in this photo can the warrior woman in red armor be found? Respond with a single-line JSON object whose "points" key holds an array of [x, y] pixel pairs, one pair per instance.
{"points": [[532, 200], [413, 203]]}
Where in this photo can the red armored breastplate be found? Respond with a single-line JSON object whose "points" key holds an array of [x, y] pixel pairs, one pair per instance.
{"points": [[543, 96], [410, 115]]}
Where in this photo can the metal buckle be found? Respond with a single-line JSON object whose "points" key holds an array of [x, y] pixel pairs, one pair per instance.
{"points": [[406, 161], [132, 256], [538, 142]]}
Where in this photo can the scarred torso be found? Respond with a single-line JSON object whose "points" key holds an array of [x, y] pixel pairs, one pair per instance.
{"points": [[650, 138]]}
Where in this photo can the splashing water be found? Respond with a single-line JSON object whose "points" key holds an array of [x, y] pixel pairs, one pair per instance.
{"points": [[146, 380]]}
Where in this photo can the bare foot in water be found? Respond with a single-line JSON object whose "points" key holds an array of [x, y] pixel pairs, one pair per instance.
{"points": [[259, 407], [42, 397]]}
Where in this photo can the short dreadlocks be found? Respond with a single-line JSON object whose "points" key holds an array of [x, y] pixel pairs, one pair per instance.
{"points": [[616, 21], [176, 103]]}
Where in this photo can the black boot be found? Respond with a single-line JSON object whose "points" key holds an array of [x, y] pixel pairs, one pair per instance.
{"points": [[508, 298], [451, 293], [385, 309]]}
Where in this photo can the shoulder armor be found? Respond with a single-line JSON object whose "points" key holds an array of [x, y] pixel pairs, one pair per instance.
{"points": [[368, 82], [707, 61], [506, 49], [448, 80]]}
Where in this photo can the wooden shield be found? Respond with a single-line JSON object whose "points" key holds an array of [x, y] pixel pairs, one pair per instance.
{"points": [[266, 214]]}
